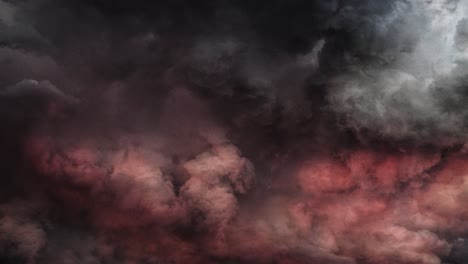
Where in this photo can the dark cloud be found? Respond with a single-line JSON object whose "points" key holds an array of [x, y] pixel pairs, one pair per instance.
{"points": [[233, 131]]}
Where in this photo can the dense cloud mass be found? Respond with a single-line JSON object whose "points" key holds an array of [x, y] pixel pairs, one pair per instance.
{"points": [[234, 132]]}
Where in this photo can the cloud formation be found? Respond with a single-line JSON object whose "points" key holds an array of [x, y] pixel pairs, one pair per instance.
{"points": [[233, 132]]}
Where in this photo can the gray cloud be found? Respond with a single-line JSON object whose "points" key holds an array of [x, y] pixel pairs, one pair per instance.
{"points": [[233, 131], [411, 93]]}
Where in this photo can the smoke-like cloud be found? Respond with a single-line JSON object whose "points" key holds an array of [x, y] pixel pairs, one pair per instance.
{"points": [[411, 87], [233, 131]]}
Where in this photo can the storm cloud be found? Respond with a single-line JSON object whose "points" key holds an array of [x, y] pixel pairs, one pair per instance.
{"points": [[233, 131]]}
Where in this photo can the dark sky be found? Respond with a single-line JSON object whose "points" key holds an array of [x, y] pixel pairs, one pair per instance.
{"points": [[233, 132]]}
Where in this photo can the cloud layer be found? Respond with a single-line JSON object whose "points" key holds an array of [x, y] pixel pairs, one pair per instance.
{"points": [[233, 132]]}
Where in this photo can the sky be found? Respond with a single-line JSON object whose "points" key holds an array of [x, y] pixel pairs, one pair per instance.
{"points": [[234, 132]]}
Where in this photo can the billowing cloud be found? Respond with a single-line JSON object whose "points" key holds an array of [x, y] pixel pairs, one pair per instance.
{"points": [[411, 87], [241, 132]]}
